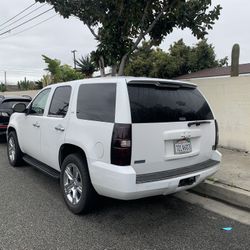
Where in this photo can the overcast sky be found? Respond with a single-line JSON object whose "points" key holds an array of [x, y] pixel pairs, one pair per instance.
{"points": [[20, 55]]}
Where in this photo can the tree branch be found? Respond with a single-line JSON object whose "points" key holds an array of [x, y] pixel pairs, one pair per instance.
{"points": [[143, 34], [140, 37], [144, 14], [93, 32]]}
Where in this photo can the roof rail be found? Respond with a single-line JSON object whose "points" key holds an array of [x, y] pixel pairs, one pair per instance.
{"points": [[2, 97]]}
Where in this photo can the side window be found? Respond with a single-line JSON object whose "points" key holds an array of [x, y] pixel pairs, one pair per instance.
{"points": [[39, 103], [96, 102], [60, 102]]}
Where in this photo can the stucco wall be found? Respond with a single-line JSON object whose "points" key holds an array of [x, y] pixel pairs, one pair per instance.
{"points": [[31, 93], [230, 100]]}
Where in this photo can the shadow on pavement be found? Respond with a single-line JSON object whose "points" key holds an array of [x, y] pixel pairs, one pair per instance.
{"points": [[3, 139]]}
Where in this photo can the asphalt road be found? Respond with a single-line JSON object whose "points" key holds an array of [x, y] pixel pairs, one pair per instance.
{"points": [[34, 216]]}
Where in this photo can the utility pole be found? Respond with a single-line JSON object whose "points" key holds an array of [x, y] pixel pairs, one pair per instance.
{"points": [[74, 56], [5, 78]]}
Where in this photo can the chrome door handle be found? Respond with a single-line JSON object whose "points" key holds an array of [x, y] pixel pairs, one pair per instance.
{"points": [[58, 128]]}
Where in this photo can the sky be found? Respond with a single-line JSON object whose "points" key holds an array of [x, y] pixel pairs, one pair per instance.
{"points": [[21, 54]]}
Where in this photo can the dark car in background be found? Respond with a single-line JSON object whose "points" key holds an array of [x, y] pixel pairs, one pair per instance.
{"points": [[6, 104]]}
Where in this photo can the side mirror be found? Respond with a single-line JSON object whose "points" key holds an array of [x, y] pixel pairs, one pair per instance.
{"points": [[19, 108]]}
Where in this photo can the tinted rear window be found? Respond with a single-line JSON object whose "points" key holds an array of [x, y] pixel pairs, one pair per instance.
{"points": [[97, 102], [151, 104]]}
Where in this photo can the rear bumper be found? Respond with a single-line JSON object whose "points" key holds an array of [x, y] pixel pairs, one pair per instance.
{"points": [[121, 182]]}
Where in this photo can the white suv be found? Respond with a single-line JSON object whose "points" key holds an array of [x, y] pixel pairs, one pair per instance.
{"points": [[123, 137]]}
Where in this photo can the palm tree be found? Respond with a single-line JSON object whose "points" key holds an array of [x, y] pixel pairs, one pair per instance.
{"points": [[86, 66]]}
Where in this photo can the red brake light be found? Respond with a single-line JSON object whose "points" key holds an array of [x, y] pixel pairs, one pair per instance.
{"points": [[216, 135], [121, 145]]}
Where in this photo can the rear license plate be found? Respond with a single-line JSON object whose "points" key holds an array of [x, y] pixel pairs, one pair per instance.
{"points": [[182, 147]]}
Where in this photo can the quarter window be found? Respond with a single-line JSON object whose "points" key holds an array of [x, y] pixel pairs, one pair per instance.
{"points": [[60, 102], [39, 103], [97, 102]]}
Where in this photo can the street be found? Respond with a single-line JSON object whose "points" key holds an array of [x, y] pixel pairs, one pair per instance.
{"points": [[33, 216]]}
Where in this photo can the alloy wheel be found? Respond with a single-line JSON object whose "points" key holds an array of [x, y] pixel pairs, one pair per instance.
{"points": [[72, 182], [12, 149]]}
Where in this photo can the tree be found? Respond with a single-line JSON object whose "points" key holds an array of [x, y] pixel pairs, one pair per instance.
{"points": [[202, 57], [58, 72], [2, 87], [26, 85], [119, 26], [86, 66], [179, 60]]}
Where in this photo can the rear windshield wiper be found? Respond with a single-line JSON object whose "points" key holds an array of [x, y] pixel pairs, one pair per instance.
{"points": [[198, 123]]}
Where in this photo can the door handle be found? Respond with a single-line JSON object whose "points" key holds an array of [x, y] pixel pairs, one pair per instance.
{"points": [[36, 125], [59, 128]]}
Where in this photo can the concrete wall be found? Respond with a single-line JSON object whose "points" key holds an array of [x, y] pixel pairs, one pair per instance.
{"points": [[230, 100], [31, 93]]}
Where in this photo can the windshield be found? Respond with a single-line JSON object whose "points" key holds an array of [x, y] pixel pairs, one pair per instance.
{"points": [[154, 104]]}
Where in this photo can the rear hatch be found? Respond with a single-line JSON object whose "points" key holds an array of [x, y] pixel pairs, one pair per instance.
{"points": [[172, 126]]}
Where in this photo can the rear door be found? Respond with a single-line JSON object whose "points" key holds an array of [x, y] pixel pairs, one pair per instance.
{"points": [[172, 126]]}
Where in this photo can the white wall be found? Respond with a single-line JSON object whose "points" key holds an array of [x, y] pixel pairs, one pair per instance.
{"points": [[31, 93], [230, 100]]}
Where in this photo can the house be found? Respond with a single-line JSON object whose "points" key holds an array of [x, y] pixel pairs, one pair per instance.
{"points": [[244, 69]]}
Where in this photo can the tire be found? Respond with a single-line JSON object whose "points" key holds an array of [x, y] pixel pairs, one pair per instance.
{"points": [[76, 186], [15, 154]]}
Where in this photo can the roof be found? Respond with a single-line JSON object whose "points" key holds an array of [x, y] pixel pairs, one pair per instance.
{"points": [[106, 80], [219, 71]]}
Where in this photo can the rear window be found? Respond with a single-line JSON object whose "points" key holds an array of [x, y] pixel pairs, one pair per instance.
{"points": [[152, 104], [9, 104], [96, 102]]}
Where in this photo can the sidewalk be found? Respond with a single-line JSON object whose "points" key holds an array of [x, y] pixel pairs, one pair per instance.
{"points": [[232, 182]]}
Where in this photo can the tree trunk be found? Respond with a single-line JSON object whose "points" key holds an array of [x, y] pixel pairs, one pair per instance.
{"points": [[122, 65], [114, 70], [102, 66]]}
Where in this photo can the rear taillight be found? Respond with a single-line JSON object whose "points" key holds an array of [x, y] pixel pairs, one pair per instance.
{"points": [[121, 145], [216, 135]]}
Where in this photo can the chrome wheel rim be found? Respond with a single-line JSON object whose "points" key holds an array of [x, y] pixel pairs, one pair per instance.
{"points": [[72, 182], [12, 149]]}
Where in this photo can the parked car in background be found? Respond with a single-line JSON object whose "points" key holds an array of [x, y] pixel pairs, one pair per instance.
{"points": [[124, 137], [6, 105]]}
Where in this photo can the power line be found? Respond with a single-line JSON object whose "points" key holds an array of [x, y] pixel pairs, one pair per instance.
{"points": [[31, 19], [22, 17], [17, 14], [29, 28]]}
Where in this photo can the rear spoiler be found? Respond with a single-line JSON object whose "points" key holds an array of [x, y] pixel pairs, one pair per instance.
{"points": [[164, 84]]}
